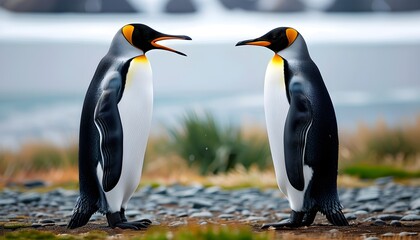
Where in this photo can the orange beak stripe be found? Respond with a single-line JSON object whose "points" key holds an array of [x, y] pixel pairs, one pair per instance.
{"points": [[163, 47], [260, 43]]}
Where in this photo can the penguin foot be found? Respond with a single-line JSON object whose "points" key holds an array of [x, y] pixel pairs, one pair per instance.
{"points": [[309, 218], [144, 222], [114, 220], [294, 221]]}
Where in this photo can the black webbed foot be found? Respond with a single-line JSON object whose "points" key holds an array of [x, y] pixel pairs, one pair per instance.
{"points": [[114, 220], [142, 223], [294, 221], [309, 218]]}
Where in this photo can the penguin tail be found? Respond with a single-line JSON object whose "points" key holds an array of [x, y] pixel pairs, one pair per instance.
{"points": [[81, 214], [336, 218], [332, 210]]}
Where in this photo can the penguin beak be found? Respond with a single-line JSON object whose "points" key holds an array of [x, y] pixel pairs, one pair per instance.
{"points": [[169, 37], [255, 42]]}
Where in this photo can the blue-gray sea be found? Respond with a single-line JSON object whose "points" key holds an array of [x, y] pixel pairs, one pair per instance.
{"points": [[55, 119]]}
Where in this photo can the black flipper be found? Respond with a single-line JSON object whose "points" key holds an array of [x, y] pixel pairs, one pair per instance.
{"points": [[82, 213], [298, 123], [294, 221], [107, 119]]}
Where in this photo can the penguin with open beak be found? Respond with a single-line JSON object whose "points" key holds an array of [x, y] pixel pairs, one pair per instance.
{"points": [[115, 125], [303, 136]]}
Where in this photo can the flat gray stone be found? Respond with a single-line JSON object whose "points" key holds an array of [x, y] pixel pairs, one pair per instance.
{"points": [[212, 190], [255, 219], [372, 238], [47, 221], [201, 203], [204, 214], [29, 197], [379, 222], [383, 180], [177, 223], [407, 234], [350, 216], [36, 225], [7, 201], [410, 217], [34, 184], [397, 207], [395, 223], [385, 235], [132, 213], [232, 209], [360, 212], [226, 216], [415, 204], [182, 214], [282, 216], [388, 217]]}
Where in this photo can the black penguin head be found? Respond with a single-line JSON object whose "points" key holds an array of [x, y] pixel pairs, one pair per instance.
{"points": [[145, 38], [276, 39]]}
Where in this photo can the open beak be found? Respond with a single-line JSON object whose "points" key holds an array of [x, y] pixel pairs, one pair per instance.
{"points": [[168, 37], [255, 42]]}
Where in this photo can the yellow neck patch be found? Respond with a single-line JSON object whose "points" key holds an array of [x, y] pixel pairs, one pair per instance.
{"points": [[141, 59], [277, 60], [291, 35], [128, 33]]}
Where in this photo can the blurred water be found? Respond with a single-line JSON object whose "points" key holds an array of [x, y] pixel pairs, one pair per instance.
{"points": [[369, 64]]}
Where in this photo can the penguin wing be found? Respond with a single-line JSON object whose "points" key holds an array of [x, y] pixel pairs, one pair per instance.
{"points": [[298, 123], [108, 122]]}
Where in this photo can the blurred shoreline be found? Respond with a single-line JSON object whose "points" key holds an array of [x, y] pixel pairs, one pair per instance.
{"points": [[55, 119]]}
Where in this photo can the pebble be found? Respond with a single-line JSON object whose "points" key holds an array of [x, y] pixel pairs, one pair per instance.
{"points": [[372, 238], [350, 216], [397, 207], [226, 216], [410, 217], [7, 201], [202, 215], [34, 184], [385, 235], [406, 234], [387, 217], [281, 216], [29, 197], [177, 223], [379, 222], [395, 223], [385, 203], [415, 204]]}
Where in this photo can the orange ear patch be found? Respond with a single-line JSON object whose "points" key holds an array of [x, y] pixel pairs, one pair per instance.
{"points": [[291, 35], [128, 33]]}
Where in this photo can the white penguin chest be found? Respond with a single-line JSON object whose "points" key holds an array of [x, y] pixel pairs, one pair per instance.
{"points": [[276, 108], [135, 108]]}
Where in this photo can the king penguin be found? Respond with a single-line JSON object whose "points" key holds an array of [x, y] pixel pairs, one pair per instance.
{"points": [[114, 127], [303, 142]]}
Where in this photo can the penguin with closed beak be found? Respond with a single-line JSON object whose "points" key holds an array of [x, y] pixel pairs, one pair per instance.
{"points": [[303, 142], [114, 127]]}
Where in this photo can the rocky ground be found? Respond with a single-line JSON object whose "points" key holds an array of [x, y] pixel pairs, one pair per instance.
{"points": [[385, 209]]}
